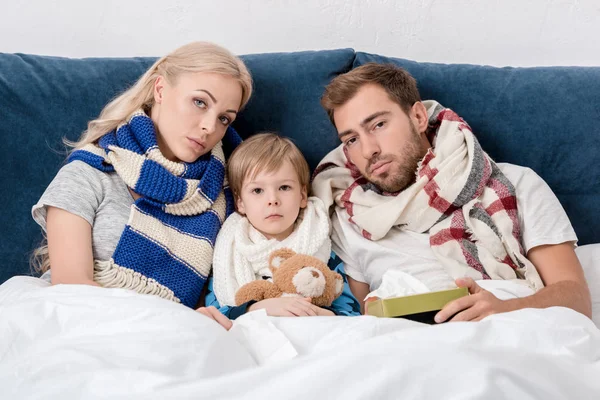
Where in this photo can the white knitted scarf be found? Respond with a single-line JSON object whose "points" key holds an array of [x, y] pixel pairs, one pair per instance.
{"points": [[242, 253]]}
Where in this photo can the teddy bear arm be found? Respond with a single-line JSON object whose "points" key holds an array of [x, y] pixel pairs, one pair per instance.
{"points": [[273, 291], [256, 290]]}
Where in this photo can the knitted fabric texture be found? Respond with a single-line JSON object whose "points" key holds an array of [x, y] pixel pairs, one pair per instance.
{"points": [[460, 197], [242, 252], [167, 245]]}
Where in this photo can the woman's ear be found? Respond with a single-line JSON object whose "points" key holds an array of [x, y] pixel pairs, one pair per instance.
{"points": [[159, 86], [304, 199]]}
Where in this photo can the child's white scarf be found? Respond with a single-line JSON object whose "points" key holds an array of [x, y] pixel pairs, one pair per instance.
{"points": [[241, 252]]}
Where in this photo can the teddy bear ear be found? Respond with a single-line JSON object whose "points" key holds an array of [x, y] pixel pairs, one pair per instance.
{"points": [[339, 285], [279, 256]]}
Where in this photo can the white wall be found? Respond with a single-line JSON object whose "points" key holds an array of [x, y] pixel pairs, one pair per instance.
{"points": [[496, 32]]}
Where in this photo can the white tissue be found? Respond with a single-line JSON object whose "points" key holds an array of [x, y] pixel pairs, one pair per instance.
{"points": [[261, 338], [396, 283]]}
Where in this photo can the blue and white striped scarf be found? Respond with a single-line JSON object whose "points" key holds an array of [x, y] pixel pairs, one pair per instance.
{"points": [[167, 245]]}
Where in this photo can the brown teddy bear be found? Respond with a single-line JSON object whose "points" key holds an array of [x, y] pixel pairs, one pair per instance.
{"points": [[294, 275]]}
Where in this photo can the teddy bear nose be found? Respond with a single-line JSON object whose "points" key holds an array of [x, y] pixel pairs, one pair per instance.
{"points": [[315, 274]]}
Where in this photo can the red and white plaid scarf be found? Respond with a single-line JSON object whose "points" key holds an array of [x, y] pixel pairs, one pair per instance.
{"points": [[460, 197]]}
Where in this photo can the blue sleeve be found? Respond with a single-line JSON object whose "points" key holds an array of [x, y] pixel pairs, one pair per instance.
{"points": [[230, 312], [346, 304]]}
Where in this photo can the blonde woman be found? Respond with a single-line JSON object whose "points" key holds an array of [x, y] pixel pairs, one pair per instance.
{"points": [[143, 194]]}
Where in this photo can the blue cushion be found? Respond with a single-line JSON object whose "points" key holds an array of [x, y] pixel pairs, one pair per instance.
{"points": [[543, 118], [289, 87], [43, 99]]}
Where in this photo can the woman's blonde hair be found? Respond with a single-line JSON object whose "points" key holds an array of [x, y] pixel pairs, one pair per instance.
{"points": [[190, 58], [264, 152]]}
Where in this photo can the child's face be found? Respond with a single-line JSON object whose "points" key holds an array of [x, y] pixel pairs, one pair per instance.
{"points": [[272, 201]]}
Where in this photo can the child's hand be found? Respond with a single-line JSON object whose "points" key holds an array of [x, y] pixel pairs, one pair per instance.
{"points": [[287, 307], [323, 312], [214, 314]]}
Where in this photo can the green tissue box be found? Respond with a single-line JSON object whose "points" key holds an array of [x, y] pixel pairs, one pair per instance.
{"points": [[417, 307]]}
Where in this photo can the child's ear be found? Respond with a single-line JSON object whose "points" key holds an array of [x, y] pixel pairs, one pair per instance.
{"points": [[304, 195], [239, 203]]}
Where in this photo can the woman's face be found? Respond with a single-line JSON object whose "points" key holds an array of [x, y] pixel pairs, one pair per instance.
{"points": [[192, 114]]}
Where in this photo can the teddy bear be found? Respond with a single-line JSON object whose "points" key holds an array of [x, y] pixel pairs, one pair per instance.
{"points": [[294, 275]]}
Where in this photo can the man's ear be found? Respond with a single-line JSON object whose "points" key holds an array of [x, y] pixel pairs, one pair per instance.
{"points": [[418, 114], [304, 195], [159, 86], [279, 256]]}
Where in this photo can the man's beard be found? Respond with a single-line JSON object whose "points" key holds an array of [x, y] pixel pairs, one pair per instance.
{"points": [[397, 179]]}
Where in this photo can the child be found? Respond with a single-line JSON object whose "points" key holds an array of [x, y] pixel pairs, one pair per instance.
{"points": [[269, 179], [145, 183]]}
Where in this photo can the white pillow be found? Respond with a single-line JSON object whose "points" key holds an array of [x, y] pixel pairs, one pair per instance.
{"points": [[589, 256]]}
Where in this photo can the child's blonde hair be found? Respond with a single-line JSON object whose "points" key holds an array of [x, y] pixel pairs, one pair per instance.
{"points": [[264, 152], [190, 58]]}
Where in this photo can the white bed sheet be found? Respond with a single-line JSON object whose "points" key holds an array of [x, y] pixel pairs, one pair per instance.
{"points": [[70, 341]]}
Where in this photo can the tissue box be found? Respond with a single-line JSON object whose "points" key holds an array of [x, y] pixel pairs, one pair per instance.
{"points": [[418, 307]]}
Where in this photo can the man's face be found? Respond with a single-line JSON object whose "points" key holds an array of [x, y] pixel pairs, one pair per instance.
{"points": [[383, 142]]}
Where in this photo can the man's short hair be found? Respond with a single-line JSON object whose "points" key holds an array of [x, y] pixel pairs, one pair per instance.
{"points": [[264, 152], [396, 81]]}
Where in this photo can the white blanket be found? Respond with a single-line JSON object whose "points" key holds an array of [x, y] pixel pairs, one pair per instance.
{"points": [[67, 342]]}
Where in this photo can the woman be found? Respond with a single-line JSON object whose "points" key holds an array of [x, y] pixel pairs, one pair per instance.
{"points": [[143, 194]]}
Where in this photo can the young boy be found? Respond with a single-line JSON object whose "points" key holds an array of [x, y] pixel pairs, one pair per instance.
{"points": [[269, 178]]}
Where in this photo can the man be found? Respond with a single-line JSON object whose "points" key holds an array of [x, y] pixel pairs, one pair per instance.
{"points": [[414, 192]]}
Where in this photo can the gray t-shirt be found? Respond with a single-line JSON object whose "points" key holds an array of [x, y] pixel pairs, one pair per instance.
{"points": [[102, 199]]}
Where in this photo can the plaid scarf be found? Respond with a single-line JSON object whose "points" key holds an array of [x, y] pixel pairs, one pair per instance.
{"points": [[460, 197], [167, 245]]}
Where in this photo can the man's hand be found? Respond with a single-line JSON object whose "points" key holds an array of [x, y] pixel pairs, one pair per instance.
{"points": [[288, 307], [475, 307], [560, 271], [214, 314]]}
